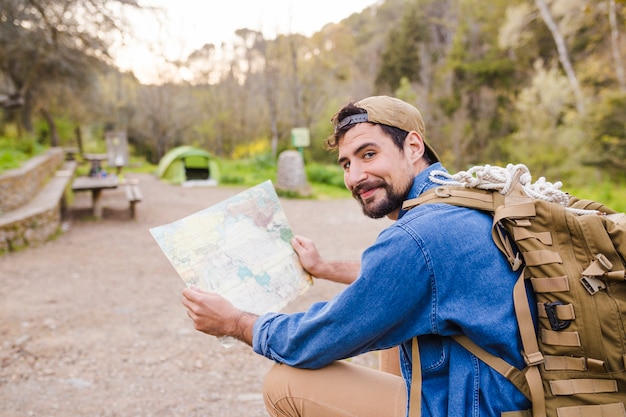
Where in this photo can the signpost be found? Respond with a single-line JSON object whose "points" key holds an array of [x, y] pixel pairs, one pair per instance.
{"points": [[300, 138], [117, 149]]}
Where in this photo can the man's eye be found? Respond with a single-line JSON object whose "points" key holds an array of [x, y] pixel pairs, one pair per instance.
{"points": [[346, 166], [368, 155]]}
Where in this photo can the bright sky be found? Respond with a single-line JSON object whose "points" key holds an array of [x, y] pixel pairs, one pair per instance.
{"points": [[190, 24]]}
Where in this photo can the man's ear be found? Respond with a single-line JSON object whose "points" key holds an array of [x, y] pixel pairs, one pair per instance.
{"points": [[414, 145]]}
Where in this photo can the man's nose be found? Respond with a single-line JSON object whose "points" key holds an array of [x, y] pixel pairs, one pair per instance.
{"points": [[354, 176]]}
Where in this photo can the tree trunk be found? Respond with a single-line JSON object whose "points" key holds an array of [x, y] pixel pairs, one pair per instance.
{"points": [[270, 94], [563, 54], [615, 47], [297, 88], [54, 136], [79, 139], [25, 118]]}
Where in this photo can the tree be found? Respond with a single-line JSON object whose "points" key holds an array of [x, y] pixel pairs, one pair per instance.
{"points": [[472, 80], [607, 148], [268, 57], [166, 116], [46, 43], [547, 138], [401, 57], [615, 46], [563, 54]]}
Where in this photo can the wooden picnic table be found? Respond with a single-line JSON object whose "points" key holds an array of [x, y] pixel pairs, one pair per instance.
{"points": [[95, 185]]}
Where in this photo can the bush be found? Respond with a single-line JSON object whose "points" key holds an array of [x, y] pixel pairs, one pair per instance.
{"points": [[14, 152], [325, 174], [247, 172], [608, 193], [325, 180]]}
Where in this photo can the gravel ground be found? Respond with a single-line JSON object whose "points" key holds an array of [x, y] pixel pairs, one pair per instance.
{"points": [[92, 322]]}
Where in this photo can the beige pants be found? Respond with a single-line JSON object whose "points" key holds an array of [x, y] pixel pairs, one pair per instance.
{"points": [[389, 361], [341, 389]]}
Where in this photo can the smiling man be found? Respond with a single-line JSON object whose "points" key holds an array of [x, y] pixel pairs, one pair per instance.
{"points": [[423, 279], [379, 180]]}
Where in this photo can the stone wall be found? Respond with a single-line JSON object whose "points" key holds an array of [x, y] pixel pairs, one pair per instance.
{"points": [[19, 186], [30, 231], [32, 200]]}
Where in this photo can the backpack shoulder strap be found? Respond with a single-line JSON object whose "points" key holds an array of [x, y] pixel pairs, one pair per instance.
{"points": [[511, 205], [500, 365], [457, 196]]}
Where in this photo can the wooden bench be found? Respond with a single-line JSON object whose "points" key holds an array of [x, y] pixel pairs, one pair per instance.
{"points": [[134, 196]]}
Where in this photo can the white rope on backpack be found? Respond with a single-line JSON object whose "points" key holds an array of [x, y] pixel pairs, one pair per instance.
{"points": [[487, 177]]}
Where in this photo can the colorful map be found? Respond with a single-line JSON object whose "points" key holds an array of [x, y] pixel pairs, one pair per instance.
{"points": [[239, 248]]}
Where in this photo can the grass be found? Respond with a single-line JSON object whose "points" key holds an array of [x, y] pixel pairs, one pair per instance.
{"points": [[326, 180], [14, 152]]}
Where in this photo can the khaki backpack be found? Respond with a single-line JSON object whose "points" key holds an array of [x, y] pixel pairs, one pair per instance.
{"points": [[574, 254]]}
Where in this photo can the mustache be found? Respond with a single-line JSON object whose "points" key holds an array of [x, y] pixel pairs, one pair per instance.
{"points": [[367, 185]]}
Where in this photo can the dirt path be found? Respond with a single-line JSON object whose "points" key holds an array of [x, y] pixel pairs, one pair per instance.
{"points": [[91, 323]]}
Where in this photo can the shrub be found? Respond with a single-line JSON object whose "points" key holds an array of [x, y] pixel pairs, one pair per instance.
{"points": [[325, 174], [14, 152]]}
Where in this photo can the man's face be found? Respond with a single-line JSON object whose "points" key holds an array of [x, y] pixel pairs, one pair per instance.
{"points": [[377, 173]]}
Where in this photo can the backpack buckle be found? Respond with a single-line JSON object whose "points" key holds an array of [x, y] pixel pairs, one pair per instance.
{"points": [[443, 191], [599, 267], [533, 358], [592, 284], [555, 323], [515, 262]]}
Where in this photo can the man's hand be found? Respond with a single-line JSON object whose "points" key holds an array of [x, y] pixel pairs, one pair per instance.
{"points": [[344, 272], [310, 257], [213, 314]]}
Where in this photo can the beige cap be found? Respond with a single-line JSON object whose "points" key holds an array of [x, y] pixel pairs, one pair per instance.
{"points": [[389, 111]]}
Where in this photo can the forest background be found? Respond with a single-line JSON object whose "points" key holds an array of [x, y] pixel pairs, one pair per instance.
{"points": [[538, 82]]}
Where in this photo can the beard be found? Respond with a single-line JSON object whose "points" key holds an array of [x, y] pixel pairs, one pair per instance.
{"points": [[391, 202]]}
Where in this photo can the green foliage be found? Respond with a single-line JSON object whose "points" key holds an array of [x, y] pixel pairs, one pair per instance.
{"points": [[247, 172], [470, 96], [609, 193], [325, 174], [405, 91], [483, 72], [326, 180], [320, 130], [548, 138], [14, 152], [93, 141], [138, 164], [401, 57], [607, 147], [325, 192], [475, 58], [450, 104], [65, 130], [265, 162]]}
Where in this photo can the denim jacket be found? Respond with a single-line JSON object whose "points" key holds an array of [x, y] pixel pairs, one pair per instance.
{"points": [[434, 273]]}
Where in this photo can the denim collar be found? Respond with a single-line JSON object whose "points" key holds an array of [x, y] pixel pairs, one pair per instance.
{"points": [[421, 183]]}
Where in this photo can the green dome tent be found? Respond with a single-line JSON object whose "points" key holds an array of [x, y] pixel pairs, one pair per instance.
{"points": [[186, 163]]}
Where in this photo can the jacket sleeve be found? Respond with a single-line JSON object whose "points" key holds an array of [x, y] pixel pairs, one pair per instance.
{"points": [[370, 314]]}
